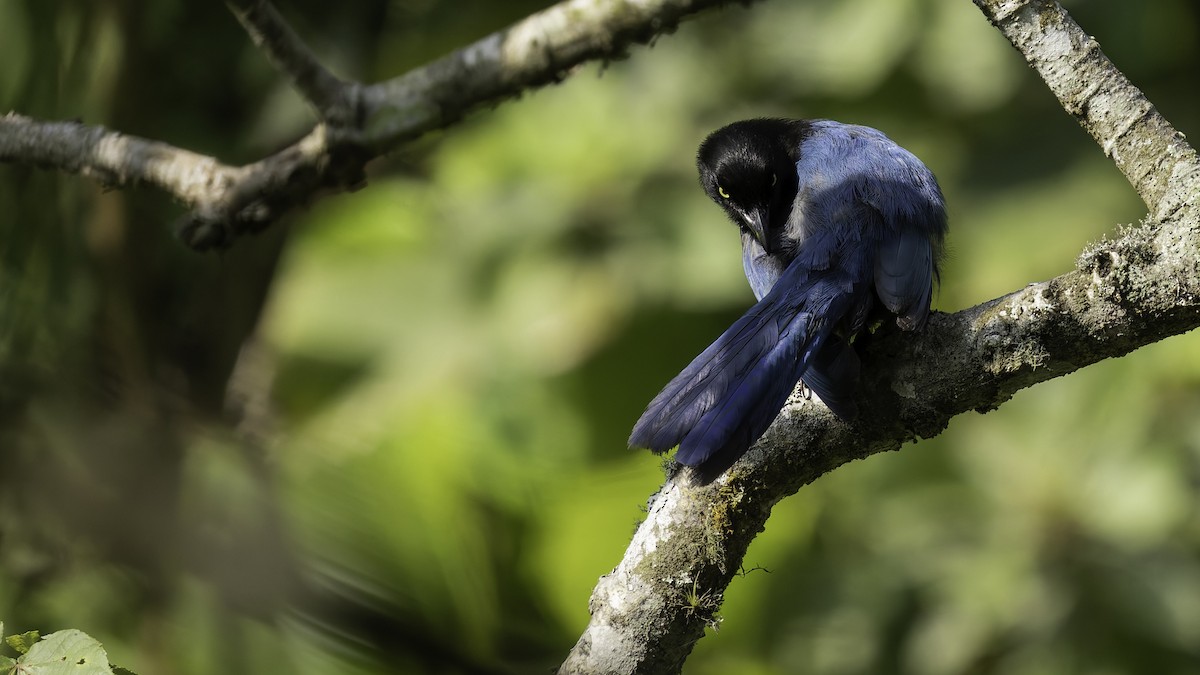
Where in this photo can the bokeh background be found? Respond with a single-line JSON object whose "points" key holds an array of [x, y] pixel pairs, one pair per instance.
{"points": [[387, 435]]}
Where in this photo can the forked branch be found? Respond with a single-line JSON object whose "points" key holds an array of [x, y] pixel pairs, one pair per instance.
{"points": [[358, 122]]}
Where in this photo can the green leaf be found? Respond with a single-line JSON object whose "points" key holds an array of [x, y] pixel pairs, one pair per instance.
{"points": [[67, 652], [6, 663], [22, 642]]}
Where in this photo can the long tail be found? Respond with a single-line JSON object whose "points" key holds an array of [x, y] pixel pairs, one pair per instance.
{"points": [[728, 396]]}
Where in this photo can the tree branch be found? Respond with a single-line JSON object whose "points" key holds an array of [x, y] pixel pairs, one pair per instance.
{"points": [[224, 200], [327, 94], [360, 122], [113, 159], [1140, 288], [1153, 155]]}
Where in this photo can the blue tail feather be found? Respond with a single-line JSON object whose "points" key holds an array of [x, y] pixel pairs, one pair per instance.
{"points": [[684, 400], [833, 375], [744, 413], [728, 396]]}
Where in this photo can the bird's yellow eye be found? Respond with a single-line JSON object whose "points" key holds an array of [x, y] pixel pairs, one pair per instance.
{"points": [[774, 180], [721, 191]]}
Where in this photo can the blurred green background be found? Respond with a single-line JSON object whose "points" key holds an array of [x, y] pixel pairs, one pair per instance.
{"points": [[387, 436]]}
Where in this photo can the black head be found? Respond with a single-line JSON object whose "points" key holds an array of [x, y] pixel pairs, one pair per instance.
{"points": [[749, 168]]}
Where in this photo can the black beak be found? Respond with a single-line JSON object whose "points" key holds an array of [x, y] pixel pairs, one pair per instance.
{"points": [[756, 222]]}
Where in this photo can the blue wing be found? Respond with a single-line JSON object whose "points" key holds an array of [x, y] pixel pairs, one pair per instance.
{"points": [[904, 276], [906, 222]]}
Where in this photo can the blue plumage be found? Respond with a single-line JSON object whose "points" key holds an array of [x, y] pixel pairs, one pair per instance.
{"points": [[838, 225]]}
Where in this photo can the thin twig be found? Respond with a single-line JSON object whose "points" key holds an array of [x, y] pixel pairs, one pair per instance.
{"points": [[328, 95]]}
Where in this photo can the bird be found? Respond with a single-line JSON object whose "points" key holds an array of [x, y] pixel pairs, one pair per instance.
{"points": [[841, 229]]}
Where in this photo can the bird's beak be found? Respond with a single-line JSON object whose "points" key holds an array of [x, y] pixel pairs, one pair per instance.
{"points": [[756, 222]]}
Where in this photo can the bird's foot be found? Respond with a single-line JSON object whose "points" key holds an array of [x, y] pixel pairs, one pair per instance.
{"points": [[800, 395]]}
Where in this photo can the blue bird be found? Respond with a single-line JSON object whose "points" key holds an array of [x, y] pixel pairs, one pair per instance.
{"points": [[840, 227]]}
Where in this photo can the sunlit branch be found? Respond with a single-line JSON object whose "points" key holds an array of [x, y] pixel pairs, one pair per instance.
{"points": [[226, 202], [223, 200], [115, 159], [1153, 155]]}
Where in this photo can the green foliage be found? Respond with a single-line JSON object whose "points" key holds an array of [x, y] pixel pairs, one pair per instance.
{"points": [[21, 643], [5, 661], [418, 464], [66, 652]]}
